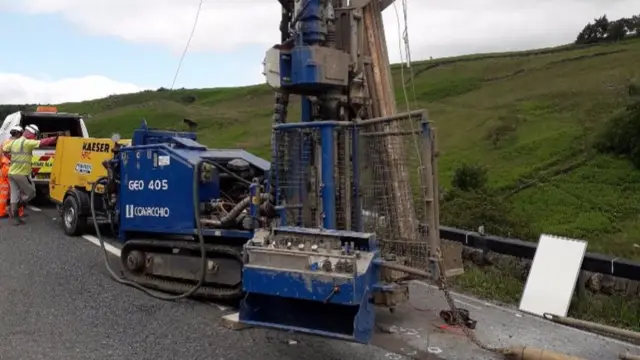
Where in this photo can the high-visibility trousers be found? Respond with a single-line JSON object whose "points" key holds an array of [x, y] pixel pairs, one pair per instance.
{"points": [[5, 192]]}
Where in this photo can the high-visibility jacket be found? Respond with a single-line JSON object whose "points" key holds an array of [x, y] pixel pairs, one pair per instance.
{"points": [[5, 157], [21, 151], [5, 188]]}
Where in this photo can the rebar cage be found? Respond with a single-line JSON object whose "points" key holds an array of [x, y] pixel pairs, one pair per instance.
{"points": [[397, 182], [373, 175], [314, 174]]}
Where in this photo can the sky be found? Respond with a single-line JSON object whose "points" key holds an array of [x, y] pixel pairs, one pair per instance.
{"points": [[73, 50]]}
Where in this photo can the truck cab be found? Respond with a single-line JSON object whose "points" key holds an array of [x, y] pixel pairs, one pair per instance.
{"points": [[51, 123]]}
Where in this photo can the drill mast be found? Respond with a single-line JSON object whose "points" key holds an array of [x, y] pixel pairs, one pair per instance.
{"points": [[347, 187], [333, 55]]}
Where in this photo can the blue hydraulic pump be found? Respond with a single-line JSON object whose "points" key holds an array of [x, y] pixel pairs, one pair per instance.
{"points": [[167, 197]]}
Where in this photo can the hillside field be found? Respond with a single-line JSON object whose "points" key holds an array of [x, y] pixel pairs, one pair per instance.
{"points": [[529, 117]]}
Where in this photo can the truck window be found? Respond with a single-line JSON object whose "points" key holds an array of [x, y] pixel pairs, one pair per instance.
{"points": [[54, 125]]}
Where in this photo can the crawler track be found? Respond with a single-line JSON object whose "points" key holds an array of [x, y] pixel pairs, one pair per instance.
{"points": [[148, 262]]}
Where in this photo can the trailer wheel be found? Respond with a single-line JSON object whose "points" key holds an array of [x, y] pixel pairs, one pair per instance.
{"points": [[73, 222]]}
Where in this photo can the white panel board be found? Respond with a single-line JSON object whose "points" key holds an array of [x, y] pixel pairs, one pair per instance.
{"points": [[553, 275]]}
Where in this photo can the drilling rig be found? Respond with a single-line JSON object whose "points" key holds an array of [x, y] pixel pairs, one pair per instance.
{"points": [[311, 241], [334, 56], [354, 183]]}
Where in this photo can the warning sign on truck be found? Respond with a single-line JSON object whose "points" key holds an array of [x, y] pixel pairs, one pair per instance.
{"points": [[83, 168]]}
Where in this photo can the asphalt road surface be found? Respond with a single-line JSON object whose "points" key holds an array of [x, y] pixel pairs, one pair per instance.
{"points": [[58, 302]]}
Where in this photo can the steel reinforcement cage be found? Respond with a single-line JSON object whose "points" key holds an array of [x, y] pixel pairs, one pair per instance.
{"points": [[374, 175]]}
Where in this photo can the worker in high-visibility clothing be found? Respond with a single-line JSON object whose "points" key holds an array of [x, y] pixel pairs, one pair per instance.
{"points": [[5, 162], [22, 187]]}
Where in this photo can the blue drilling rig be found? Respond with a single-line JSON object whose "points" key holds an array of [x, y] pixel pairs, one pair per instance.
{"points": [[320, 269], [311, 241]]}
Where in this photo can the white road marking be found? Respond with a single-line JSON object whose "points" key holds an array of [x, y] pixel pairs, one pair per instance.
{"points": [[33, 208], [469, 298], [115, 251], [221, 307], [110, 248]]}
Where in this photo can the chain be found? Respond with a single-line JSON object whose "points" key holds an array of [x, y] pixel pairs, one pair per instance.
{"points": [[442, 280], [441, 277]]}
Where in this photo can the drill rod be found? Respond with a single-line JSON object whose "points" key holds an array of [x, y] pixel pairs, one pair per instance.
{"points": [[406, 269], [528, 353], [628, 356], [591, 326]]}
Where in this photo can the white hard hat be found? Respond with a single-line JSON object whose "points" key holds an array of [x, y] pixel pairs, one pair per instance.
{"points": [[32, 129], [17, 128]]}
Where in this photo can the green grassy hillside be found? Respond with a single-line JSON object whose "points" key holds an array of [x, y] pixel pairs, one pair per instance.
{"points": [[529, 117]]}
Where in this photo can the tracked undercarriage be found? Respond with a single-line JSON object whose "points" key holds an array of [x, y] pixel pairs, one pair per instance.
{"points": [[175, 266]]}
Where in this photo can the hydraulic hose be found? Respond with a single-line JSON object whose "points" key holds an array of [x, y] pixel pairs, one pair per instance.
{"points": [[236, 210], [150, 292]]}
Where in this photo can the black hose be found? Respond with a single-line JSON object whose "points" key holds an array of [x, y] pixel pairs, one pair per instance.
{"points": [[153, 293]]}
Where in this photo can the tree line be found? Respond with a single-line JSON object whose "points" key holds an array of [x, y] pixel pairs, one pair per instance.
{"points": [[601, 30], [620, 135]]}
